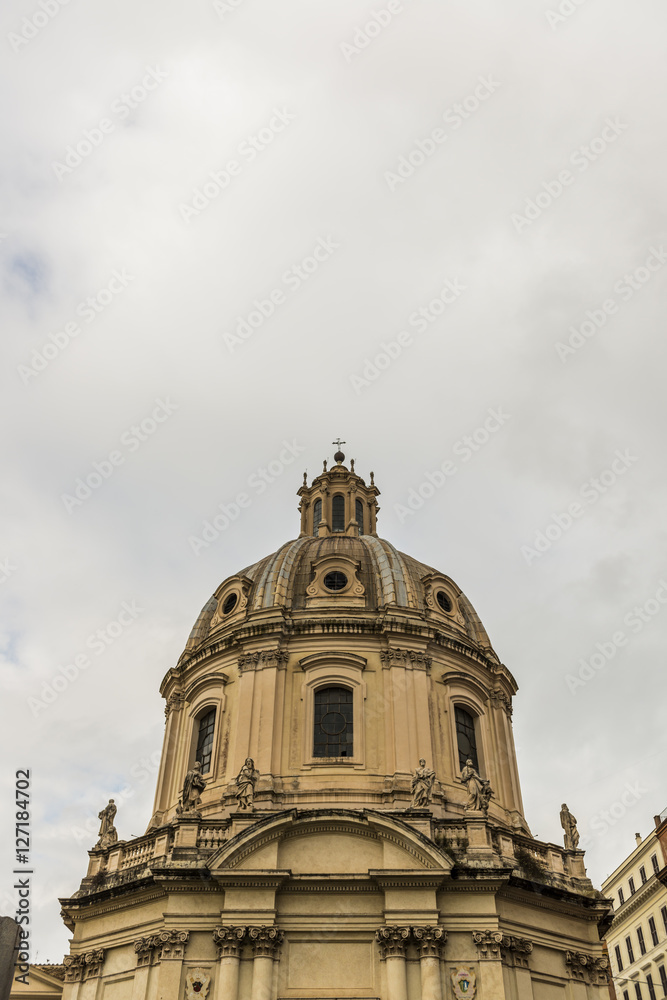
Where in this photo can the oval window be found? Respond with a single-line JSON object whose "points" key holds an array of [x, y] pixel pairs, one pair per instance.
{"points": [[443, 600], [335, 580], [229, 604]]}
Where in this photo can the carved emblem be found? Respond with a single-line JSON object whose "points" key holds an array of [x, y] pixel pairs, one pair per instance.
{"points": [[197, 983], [464, 983]]}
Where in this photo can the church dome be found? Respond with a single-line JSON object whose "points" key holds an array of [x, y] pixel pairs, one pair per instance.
{"points": [[369, 575]]}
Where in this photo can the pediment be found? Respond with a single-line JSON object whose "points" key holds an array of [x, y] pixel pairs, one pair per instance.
{"points": [[329, 842]]}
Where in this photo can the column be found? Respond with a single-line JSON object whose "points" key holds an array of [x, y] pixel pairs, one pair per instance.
{"points": [[430, 942], [266, 942], [172, 952], [229, 941], [74, 967], [144, 950], [393, 941], [490, 963], [519, 950]]}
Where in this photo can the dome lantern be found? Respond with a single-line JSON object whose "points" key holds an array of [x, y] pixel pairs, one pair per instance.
{"points": [[338, 501]]}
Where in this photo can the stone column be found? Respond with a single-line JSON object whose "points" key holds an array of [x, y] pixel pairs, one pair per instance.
{"points": [[172, 952], [229, 941], [266, 942], [490, 963], [74, 967], [144, 950], [430, 942], [393, 942], [519, 950]]}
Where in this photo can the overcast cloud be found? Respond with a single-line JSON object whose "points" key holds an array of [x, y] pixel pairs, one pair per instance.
{"points": [[498, 166]]}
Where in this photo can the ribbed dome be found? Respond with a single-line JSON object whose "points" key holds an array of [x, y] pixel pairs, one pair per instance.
{"points": [[391, 581]]}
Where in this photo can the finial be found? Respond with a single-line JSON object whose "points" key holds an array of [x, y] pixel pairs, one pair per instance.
{"points": [[339, 456], [351, 465], [324, 467], [372, 480], [305, 479]]}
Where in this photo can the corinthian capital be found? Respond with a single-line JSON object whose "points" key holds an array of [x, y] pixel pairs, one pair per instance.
{"points": [[229, 940], [265, 941], [392, 941], [429, 940]]}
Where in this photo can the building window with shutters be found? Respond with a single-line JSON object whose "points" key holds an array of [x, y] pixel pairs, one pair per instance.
{"points": [[638, 991], [642, 874], [663, 978], [654, 862], [619, 962], [621, 897], [465, 738], [663, 912], [640, 938], [631, 884], [205, 740], [333, 722], [651, 987], [653, 929], [631, 954]]}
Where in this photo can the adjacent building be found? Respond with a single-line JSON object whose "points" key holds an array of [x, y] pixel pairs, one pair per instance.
{"points": [[637, 937]]}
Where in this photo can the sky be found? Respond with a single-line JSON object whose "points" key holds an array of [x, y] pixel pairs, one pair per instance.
{"points": [[234, 231]]}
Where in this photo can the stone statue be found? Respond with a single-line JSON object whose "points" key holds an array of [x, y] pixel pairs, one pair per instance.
{"points": [[108, 834], [569, 824], [246, 779], [479, 789], [422, 785], [193, 786]]}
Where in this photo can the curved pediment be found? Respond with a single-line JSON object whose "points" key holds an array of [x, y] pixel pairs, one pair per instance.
{"points": [[330, 842]]}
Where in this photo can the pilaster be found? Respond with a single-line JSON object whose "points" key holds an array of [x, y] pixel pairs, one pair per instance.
{"points": [[393, 942], [229, 941], [266, 942]]}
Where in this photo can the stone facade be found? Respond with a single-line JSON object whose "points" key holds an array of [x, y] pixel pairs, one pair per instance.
{"points": [[300, 870]]}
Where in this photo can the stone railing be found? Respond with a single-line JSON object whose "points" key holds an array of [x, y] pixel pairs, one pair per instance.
{"points": [[138, 852], [212, 835]]}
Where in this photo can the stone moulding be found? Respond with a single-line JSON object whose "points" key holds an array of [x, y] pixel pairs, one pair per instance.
{"points": [[393, 940]]}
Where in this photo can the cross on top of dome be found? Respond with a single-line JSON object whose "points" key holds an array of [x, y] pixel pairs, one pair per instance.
{"points": [[339, 457]]}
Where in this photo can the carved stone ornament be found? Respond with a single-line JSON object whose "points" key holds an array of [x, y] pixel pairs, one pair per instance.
{"points": [[488, 945], [81, 967], [144, 949], [430, 941], [174, 703], [585, 968], [197, 984], [264, 658], [193, 785], [229, 941], [502, 700], [246, 780], [171, 944], [405, 658], [239, 586], [108, 834], [464, 983], [265, 941], [392, 941], [423, 779]]}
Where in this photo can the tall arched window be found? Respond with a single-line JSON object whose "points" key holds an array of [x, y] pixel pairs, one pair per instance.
{"points": [[465, 738], [317, 515], [338, 513], [205, 740], [359, 515], [332, 736]]}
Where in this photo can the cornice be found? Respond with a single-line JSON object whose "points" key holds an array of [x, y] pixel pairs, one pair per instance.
{"points": [[637, 899]]}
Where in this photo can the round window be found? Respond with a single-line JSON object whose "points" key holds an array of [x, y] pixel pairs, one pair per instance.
{"points": [[229, 604], [335, 580], [443, 600]]}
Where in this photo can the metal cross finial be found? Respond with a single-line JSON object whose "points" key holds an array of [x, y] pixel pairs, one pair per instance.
{"points": [[338, 443]]}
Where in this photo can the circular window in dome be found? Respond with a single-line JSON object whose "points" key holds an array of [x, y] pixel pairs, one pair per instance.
{"points": [[335, 580], [443, 601], [230, 604]]}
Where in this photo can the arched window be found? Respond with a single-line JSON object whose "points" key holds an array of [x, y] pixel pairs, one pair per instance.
{"points": [[332, 736], [465, 737], [359, 515], [338, 513], [205, 740], [317, 515]]}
